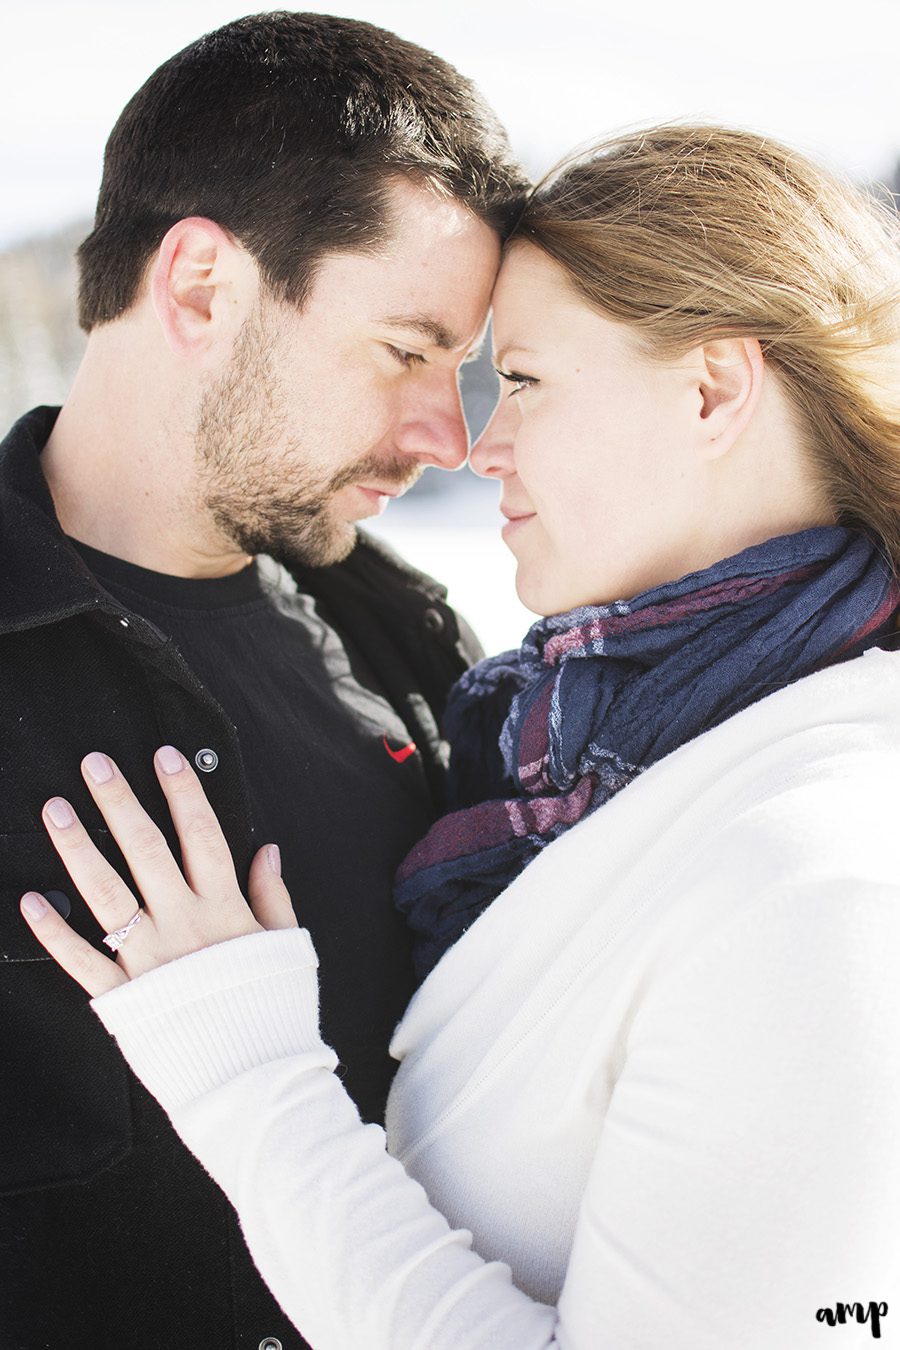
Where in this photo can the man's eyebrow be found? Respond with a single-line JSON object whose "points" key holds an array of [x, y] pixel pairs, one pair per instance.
{"points": [[436, 333]]}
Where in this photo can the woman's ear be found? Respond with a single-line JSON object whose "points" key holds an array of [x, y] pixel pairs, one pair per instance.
{"points": [[198, 275], [731, 376]]}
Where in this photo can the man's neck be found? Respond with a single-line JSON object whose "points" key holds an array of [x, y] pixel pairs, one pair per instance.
{"points": [[120, 470]]}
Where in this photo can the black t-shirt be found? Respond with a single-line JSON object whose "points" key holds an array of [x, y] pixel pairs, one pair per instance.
{"points": [[321, 782]]}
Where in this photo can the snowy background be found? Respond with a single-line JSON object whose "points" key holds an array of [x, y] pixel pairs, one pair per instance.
{"points": [[822, 77]]}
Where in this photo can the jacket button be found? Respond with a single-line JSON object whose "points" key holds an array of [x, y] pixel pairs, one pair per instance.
{"points": [[206, 760], [270, 1343], [433, 620]]}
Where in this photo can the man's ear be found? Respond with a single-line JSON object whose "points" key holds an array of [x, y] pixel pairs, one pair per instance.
{"points": [[198, 275], [731, 377]]}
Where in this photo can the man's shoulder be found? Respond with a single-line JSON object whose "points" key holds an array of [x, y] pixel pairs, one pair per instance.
{"points": [[41, 577], [21, 477]]}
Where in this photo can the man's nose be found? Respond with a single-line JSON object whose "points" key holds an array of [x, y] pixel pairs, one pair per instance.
{"points": [[492, 453], [433, 426]]}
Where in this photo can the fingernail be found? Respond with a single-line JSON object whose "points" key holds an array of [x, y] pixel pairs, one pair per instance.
{"points": [[169, 759], [273, 856], [60, 813], [34, 906], [97, 767]]}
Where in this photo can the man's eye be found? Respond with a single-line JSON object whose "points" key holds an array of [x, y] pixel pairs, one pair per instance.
{"points": [[518, 382], [405, 358]]}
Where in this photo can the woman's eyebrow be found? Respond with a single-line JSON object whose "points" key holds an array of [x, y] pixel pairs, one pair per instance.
{"points": [[501, 356]]}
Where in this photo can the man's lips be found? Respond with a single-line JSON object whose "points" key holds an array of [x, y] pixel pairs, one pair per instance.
{"points": [[379, 491], [379, 496]]}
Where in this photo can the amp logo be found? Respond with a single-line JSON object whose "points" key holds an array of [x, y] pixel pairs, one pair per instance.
{"points": [[850, 1312]]}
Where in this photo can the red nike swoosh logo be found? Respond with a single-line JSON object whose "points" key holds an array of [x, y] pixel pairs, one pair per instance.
{"points": [[403, 753]]}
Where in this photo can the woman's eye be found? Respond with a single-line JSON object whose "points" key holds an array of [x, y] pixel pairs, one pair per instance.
{"points": [[405, 358], [518, 382]]}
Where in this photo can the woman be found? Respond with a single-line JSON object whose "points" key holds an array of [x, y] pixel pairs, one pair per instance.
{"points": [[655, 1080]]}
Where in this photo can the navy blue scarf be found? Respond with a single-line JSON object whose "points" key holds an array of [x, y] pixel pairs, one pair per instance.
{"points": [[543, 736]]}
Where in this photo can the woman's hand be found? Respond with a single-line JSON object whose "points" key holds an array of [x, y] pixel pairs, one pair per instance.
{"points": [[182, 913]]}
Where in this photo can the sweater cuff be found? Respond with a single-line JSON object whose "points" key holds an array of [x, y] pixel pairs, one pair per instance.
{"points": [[196, 1023]]}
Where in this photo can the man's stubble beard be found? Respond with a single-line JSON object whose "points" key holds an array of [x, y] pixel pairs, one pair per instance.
{"points": [[258, 482]]}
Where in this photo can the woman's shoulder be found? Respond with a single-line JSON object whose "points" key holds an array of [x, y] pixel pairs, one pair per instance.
{"points": [[813, 745], [790, 805], [814, 763], [855, 702], [797, 794], [861, 696], [824, 749]]}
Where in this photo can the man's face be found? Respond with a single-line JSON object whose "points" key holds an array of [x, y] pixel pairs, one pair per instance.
{"points": [[326, 412]]}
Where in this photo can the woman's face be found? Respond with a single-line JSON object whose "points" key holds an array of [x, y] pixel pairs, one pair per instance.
{"points": [[591, 442]]}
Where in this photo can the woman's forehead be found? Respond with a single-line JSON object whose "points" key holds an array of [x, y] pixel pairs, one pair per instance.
{"points": [[529, 284]]}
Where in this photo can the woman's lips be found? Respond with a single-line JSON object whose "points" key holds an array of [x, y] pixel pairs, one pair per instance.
{"points": [[514, 521]]}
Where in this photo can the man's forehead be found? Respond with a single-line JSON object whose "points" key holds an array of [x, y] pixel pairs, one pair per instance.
{"points": [[436, 291]]}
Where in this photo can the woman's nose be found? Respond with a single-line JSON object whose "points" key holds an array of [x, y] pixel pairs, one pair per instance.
{"points": [[492, 454]]}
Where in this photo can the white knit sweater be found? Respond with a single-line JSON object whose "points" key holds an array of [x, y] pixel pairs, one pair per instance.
{"points": [[658, 1081]]}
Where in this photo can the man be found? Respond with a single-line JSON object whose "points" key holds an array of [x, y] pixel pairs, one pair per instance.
{"points": [[296, 237]]}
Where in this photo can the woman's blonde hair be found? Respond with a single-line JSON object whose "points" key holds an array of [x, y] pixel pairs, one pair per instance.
{"points": [[690, 232]]}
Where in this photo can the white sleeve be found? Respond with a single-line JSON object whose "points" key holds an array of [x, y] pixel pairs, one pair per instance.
{"points": [[747, 1174], [227, 1040]]}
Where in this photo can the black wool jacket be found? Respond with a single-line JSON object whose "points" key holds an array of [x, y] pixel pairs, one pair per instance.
{"points": [[112, 1237]]}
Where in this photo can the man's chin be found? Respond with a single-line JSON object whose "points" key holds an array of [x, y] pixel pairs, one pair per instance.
{"points": [[319, 545], [323, 548], [342, 544]]}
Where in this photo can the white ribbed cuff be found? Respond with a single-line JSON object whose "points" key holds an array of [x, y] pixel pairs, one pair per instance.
{"points": [[194, 1024]]}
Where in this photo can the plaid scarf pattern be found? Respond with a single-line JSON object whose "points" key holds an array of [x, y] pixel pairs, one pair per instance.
{"points": [[544, 736]]}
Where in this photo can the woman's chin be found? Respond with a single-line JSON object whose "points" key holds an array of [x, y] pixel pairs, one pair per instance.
{"points": [[534, 593], [546, 590]]}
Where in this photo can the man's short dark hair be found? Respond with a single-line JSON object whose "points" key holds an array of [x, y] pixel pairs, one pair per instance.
{"points": [[285, 129]]}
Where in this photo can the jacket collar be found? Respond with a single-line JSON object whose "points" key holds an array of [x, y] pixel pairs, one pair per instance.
{"points": [[42, 578]]}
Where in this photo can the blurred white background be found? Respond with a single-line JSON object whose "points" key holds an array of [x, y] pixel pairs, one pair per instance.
{"points": [[822, 77]]}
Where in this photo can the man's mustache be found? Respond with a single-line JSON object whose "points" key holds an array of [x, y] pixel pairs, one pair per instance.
{"points": [[397, 472]]}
